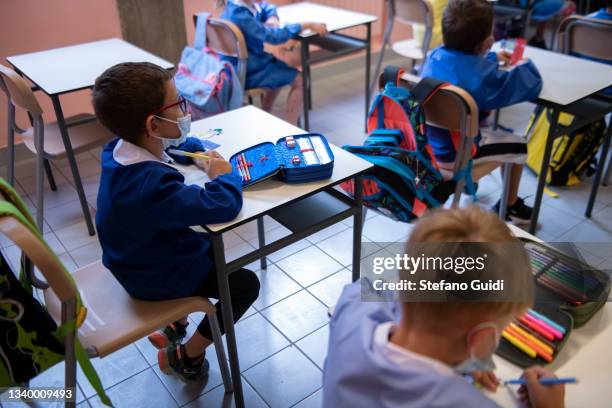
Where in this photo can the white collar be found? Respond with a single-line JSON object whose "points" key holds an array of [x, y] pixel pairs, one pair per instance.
{"points": [[126, 153], [400, 356], [253, 9]]}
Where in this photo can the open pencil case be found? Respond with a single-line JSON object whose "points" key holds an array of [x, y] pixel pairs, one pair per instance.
{"points": [[294, 159], [568, 292]]}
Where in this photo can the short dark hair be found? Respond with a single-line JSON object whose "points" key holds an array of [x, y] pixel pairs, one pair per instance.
{"points": [[126, 93], [466, 24]]}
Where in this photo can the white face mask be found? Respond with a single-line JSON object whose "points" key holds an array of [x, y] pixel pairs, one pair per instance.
{"points": [[184, 125], [473, 363]]}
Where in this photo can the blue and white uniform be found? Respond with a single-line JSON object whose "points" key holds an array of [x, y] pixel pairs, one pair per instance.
{"points": [[363, 369], [144, 213], [263, 69], [481, 76]]}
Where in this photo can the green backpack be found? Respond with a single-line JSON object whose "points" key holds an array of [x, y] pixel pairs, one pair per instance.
{"points": [[31, 342]]}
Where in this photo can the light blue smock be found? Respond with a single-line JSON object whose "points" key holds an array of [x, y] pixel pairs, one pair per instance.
{"points": [[355, 376], [263, 69]]}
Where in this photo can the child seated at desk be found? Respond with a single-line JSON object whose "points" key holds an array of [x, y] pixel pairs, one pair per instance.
{"points": [[416, 353], [259, 24], [465, 61], [145, 210]]}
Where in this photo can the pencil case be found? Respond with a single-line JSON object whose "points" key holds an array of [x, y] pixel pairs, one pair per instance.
{"points": [[571, 284], [294, 159], [550, 312]]}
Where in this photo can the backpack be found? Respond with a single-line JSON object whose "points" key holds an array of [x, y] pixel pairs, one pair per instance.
{"points": [[210, 85], [573, 155], [405, 180]]}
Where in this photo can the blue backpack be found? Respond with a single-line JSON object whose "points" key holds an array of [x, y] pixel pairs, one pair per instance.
{"points": [[405, 180], [209, 85]]}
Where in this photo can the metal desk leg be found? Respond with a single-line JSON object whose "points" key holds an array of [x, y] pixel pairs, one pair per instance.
{"points": [[50, 177], [357, 226], [73, 164], [606, 179], [305, 79], [367, 71], [39, 143], [503, 203], [261, 237], [600, 169], [228, 319], [554, 121]]}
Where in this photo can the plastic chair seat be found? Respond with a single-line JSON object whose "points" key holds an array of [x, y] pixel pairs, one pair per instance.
{"points": [[115, 319], [409, 49], [82, 137]]}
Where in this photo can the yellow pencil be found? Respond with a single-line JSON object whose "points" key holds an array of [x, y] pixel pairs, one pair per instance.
{"points": [[188, 154], [519, 344]]}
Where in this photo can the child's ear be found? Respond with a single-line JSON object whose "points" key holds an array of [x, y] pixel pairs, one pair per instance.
{"points": [[151, 126]]}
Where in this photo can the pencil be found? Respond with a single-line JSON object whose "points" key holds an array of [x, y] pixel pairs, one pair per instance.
{"points": [[188, 154], [246, 167]]}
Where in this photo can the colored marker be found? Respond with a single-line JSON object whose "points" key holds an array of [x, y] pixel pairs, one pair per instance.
{"points": [[547, 320], [556, 333], [543, 332], [519, 344], [246, 167], [524, 333], [188, 154], [544, 381], [240, 169], [542, 352]]}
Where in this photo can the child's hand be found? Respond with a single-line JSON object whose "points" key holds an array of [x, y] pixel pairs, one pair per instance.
{"points": [[318, 28], [536, 395], [215, 166], [487, 379], [504, 57]]}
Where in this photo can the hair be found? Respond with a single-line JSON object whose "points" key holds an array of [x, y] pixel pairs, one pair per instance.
{"points": [[466, 24], [472, 225], [125, 94]]}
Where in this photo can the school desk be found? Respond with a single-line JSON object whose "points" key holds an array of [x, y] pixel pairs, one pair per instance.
{"points": [[302, 208], [569, 84], [69, 69], [585, 356], [333, 45]]}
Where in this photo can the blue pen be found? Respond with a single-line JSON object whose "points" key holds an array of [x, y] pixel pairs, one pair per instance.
{"points": [[547, 320], [544, 381]]}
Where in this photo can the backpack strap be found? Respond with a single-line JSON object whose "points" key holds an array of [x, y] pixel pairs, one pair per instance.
{"points": [[426, 88], [391, 74], [200, 40]]}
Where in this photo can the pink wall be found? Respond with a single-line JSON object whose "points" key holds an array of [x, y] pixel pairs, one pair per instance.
{"points": [[34, 25]]}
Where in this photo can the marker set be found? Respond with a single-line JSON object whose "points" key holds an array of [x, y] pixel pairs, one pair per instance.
{"points": [[537, 338], [296, 159], [568, 293]]}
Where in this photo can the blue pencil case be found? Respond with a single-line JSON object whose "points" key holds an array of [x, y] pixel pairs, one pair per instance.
{"points": [[294, 159]]}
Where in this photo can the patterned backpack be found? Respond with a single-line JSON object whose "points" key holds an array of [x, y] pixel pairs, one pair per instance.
{"points": [[405, 180]]}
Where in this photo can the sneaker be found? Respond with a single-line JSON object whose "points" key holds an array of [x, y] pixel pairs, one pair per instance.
{"points": [[518, 213], [172, 334], [174, 360]]}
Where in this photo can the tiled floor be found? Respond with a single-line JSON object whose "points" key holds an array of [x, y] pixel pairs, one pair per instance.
{"points": [[283, 338]]}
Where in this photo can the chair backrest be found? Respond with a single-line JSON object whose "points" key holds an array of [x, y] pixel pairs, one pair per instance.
{"points": [[414, 12], [586, 36], [19, 92], [224, 37], [40, 255]]}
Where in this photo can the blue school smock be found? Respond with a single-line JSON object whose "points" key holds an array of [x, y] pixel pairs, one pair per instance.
{"points": [[489, 85], [263, 69], [143, 219], [357, 373]]}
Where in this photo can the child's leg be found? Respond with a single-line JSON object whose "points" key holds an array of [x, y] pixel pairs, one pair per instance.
{"points": [[516, 170], [269, 98], [295, 100], [244, 290]]}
